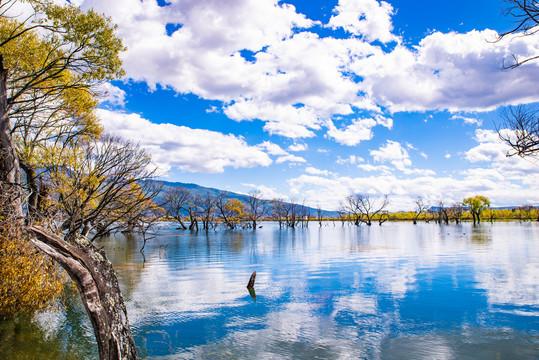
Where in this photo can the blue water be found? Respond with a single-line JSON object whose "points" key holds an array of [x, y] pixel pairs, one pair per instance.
{"points": [[395, 291]]}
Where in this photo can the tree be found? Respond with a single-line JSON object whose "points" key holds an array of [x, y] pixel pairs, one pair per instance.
{"points": [[442, 213], [206, 205], [522, 122], [257, 207], [383, 216], [294, 213], [279, 211], [526, 212], [42, 60], [523, 125], [363, 208], [319, 215], [476, 204], [177, 202], [147, 222], [194, 212], [421, 206], [99, 289], [231, 211], [342, 215], [102, 186], [525, 14], [456, 212], [289, 213]]}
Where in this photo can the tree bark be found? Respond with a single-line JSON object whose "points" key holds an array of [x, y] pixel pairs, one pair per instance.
{"points": [[32, 182], [10, 173], [179, 218], [99, 289]]}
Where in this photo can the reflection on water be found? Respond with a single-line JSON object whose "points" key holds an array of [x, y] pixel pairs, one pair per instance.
{"points": [[51, 334], [397, 291]]}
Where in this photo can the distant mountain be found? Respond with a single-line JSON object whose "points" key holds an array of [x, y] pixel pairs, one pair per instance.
{"points": [[202, 190]]}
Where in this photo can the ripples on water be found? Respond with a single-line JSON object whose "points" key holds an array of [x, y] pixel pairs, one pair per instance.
{"points": [[397, 291]]}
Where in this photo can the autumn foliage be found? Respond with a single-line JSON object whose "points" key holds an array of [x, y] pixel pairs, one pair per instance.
{"points": [[29, 280]]}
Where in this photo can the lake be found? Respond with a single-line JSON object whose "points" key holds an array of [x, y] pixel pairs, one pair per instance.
{"points": [[396, 291]]}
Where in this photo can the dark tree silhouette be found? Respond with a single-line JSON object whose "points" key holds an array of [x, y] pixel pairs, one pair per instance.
{"points": [[421, 206], [525, 16], [523, 137], [363, 209]]}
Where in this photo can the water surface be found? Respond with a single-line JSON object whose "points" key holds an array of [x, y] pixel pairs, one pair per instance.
{"points": [[396, 291]]}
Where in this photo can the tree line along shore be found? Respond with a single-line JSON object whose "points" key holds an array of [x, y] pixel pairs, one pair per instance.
{"points": [[204, 212]]}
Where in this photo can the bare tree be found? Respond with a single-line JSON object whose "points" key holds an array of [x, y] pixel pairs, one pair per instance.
{"points": [[279, 211], [257, 207], [147, 223], [421, 206], [342, 215], [525, 15], [304, 215], [295, 213], [442, 213], [101, 186], [177, 201], [319, 215], [206, 206], [351, 208], [456, 211], [523, 137], [383, 216], [363, 208], [289, 213], [194, 211]]}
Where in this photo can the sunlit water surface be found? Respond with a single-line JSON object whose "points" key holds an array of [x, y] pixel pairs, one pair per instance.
{"points": [[396, 291]]}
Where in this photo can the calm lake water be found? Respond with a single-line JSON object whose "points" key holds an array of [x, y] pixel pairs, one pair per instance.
{"points": [[397, 291]]}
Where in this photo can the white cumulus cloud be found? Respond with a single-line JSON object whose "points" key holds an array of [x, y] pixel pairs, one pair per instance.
{"points": [[189, 149], [265, 62], [394, 153], [368, 18], [353, 134]]}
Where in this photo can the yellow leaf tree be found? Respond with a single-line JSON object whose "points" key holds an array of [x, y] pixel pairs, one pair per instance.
{"points": [[476, 204]]}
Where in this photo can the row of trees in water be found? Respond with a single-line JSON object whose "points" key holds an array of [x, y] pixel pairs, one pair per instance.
{"points": [[195, 211], [208, 211]]}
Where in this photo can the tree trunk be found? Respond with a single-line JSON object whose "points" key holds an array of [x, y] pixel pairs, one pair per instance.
{"points": [[99, 289], [179, 218], [10, 173], [32, 182]]}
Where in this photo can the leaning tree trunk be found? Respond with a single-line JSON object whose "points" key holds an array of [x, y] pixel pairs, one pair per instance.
{"points": [[99, 289]]}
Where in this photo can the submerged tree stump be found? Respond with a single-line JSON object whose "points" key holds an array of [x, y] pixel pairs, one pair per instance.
{"points": [[252, 279]]}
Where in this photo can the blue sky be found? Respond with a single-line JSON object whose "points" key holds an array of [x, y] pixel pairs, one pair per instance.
{"points": [[314, 100]]}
